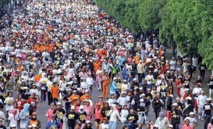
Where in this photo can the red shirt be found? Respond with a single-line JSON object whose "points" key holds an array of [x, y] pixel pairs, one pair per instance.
{"points": [[32, 101], [20, 103]]}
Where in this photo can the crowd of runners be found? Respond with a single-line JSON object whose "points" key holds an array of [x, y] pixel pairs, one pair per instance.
{"points": [[60, 52]]}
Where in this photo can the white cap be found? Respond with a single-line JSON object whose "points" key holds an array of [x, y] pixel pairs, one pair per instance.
{"points": [[141, 100], [69, 82], [170, 126], [86, 91], [174, 104], [186, 89], [123, 92], [58, 103], [73, 107], [12, 125], [187, 118], [191, 113], [134, 79], [209, 99], [88, 122]]}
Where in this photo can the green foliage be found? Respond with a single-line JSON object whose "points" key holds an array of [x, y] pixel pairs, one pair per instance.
{"points": [[149, 17]]}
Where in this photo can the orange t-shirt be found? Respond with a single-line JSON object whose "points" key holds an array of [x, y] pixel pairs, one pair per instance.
{"points": [[136, 59], [55, 92], [107, 81], [74, 99], [96, 66], [37, 78], [20, 68], [83, 97]]}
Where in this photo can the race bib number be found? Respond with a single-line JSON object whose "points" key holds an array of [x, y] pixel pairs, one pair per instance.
{"points": [[32, 103], [59, 114], [106, 112], [71, 116], [82, 117], [43, 88], [19, 103]]}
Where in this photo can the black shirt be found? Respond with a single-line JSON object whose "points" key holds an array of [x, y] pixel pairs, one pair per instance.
{"points": [[176, 113], [71, 117], [133, 116], [2, 127], [202, 68], [105, 111], [87, 127], [59, 113], [180, 105], [207, 109], [210, 82], [82, 117]]}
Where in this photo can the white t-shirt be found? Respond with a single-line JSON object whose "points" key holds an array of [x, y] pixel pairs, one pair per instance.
{"points": [[84, 85], [185, 65], [194, 61], [197, 91], [71, 72], [34, 91], [172, 64], [9, 103], [13, 120], [90, 81], [140, 68], [192, 121], [114, 114], [201, 100], [2, 115], [104, 126], [149, 79], [124, 114], [111, 101], [122, 100]]}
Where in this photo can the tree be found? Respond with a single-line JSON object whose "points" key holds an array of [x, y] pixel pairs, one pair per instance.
{"points": [[149, 17], [205, 47]]}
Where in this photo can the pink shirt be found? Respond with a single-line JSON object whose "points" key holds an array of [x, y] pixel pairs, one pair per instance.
{"points": [[210, 126], [49, 114], [23, 57], [187, 127], [88, 110]]}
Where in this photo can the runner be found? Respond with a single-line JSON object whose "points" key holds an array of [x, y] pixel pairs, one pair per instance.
{"points": [[65, 50]]}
